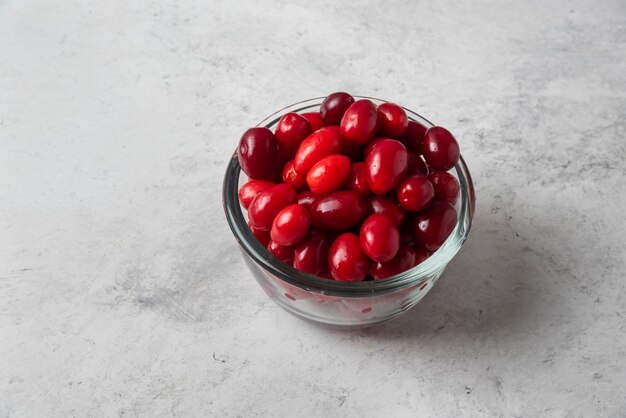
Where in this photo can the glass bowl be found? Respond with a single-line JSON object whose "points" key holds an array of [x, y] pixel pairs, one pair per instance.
{"points": [[334, 303]]}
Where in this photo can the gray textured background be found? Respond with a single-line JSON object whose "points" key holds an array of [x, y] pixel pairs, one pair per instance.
{"points": [[122, 292]]}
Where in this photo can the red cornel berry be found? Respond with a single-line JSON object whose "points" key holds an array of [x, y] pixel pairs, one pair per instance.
{"points": [[380, 238], [257, 153], [339, 210], [392, 120], [386, 165], [311, 254], [440, 149], [415, 193], [291, 130], [358, 124], [334, 106], [346, 259], [328, 174], [433, 226], [290, 225], [446, 186]]}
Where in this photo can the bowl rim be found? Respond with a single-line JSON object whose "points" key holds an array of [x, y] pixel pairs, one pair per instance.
{"points": [[412, 277]]}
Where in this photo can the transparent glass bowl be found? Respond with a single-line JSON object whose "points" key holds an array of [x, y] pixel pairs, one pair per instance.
{"points": [[334, 303]]}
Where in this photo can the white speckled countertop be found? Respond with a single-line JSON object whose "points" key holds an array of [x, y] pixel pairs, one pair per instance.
{"points": [[122, 291]]}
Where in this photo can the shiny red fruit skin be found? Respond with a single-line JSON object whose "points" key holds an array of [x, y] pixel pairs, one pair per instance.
{"points": [[291, 130], [386, 165], [416, 165], [250, 189], [339, 210], [311, 254], [415, 193], [334, 106], [328, 174], [434, 225], [440, 149], [316, 146], [314, 119], [387, 206], [413, 137], [268, 203], [306, 199], [392, 120], [290, 225], [380, 238], [446, 186], [346, 259], [334, 128], [358, 124], [404, 260], [257, 153], [357, 180], [282, 252], [262, 236], [292, 177]]}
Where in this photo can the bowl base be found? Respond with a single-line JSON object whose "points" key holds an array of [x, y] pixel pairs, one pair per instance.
{"points": [[345, 326]]}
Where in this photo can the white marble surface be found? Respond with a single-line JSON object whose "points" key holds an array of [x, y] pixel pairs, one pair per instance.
{"points": [[122, 292]]}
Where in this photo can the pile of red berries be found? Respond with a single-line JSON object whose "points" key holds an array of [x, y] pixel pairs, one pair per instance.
{"points": [[352, 192]]}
